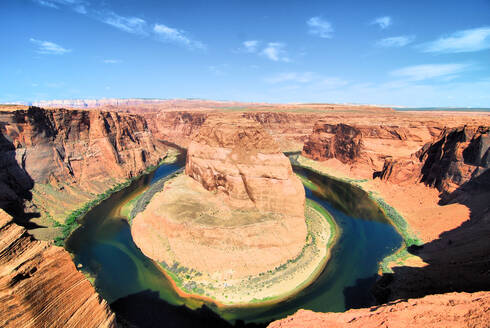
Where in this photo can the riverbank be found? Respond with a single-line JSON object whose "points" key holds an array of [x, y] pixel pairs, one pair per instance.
{"points": [[412, 208], [274, 285], [71, 223]]}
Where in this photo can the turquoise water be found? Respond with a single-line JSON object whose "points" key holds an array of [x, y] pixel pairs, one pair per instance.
{"points": [[103, 247]]}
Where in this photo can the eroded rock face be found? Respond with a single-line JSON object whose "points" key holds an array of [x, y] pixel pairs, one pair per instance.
{"points": [[339, 141], [448, 162], [239, 159], [71, 155], [79, 145], [446, 310], [40, 286], [456, 157]]}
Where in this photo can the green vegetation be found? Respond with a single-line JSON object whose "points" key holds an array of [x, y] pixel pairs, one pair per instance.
{"points": [[334, 229], [389, 212], [307, 183], [401, 255], [400, 224], [72, 221]]}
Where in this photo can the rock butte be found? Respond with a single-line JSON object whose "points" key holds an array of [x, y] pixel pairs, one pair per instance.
{"points": [[455, 255], [239, 210]]}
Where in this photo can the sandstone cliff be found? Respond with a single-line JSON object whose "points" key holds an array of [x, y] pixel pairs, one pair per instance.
{"points": [[364, 147], [447, 310], [40, 286], [334, 141], [239, 159], [456, 157], [72, 155], [442, 191]]}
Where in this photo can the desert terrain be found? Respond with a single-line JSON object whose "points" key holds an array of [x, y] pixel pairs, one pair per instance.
{"points": [[427, 170]]}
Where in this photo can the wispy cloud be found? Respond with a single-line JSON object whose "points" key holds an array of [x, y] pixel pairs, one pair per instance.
{"points": [[429, 71], [77, 5], [461, 41], [133, 25], [251, 46], [396, 41], [112, 61], [319, 27], [275, 51], [382, 22], [48, 48], [169, 34], [129, 24]]}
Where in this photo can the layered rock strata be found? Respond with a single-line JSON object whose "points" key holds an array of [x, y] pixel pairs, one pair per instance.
{"points": [[239, 160], [40, 286], [72, 155]]}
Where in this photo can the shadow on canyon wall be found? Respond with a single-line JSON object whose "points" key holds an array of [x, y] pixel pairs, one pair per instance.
{"points": [[181, 158], [146, 309], [15, 186], [458, 261]]}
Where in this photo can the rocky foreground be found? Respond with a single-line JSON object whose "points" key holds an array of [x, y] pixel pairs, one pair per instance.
{"points": [[456, 310], [40, 286]]}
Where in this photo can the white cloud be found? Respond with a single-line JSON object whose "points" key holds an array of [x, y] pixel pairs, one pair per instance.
{"points": [[169, 34], [429, 71], [48, 48], [251, 45], [396, 41], [319, 27], [112, 61], [382, 22], [77, 5], [133, 25], [461, 41], [275, 52]]}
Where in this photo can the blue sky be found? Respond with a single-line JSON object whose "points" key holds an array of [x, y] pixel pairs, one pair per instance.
{"points": [[409, 53]]}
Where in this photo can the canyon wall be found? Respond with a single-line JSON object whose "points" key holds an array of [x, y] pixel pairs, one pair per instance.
{"points": [[441, 189], [70, 156], [40, 286], [399, 154]]}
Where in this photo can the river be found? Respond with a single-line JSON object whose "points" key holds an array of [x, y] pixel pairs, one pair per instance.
{"points": [[138, 291]]}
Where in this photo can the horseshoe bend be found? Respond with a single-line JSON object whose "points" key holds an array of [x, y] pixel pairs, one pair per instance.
{"points": [[244, 164], [236, 219]]}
